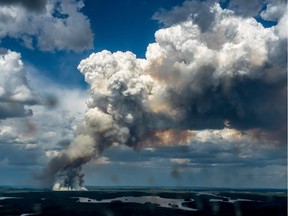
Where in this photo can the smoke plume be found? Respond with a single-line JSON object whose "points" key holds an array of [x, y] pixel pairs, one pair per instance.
{"points": [[195, 76]]}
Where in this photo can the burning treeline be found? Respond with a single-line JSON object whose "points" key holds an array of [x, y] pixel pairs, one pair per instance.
{"points": [[195, 76]]}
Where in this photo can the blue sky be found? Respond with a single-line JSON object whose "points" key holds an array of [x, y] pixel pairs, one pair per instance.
{"points": [[186, 101]]}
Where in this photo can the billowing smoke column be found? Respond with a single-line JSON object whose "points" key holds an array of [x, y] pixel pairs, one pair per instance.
{"points": [[198, 74]]}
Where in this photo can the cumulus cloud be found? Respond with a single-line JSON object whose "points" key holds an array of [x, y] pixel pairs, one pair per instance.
{"points": [[214, 72], [197, 75], [60, 27], [198, 11], [274, 10], [15, 92], [248, 8], [30, 5]]}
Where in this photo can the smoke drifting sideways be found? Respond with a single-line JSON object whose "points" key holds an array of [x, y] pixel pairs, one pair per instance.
{"points": [[193, 78]]}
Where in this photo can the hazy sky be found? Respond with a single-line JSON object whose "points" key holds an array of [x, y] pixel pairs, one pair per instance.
{"points": [[197, 95]]}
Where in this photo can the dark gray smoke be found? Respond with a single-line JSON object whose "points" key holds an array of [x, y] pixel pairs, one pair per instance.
{"points": [[194, 77]]}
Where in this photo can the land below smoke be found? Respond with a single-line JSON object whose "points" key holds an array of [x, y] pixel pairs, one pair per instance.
{"points": [[143, 201]]}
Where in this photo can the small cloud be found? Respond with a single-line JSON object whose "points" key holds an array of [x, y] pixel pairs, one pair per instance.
{"points": [[7, 132], [52, 153], [102, 160], [149, 149], [31, 146], [180, 161]]}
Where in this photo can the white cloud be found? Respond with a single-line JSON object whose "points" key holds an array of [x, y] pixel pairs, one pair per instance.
{"points": [[180, 161], [7, 133], [246, 7], [229, 135], [15, 91], [281, 28], [101, 161], [52, 153], [60, 27], [198, 11], [275, 10], [30, 5], [31, 146], [13, 83]]}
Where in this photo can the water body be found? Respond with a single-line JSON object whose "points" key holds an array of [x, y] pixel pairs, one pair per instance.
{"points": [[163, 202], [233, 200], [180, 202], [3, 198], [27, 214]]}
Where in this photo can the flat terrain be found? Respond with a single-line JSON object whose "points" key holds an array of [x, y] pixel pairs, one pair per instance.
{"points": [[144, 201]]}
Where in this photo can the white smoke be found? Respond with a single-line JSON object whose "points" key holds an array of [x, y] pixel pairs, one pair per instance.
{"points": [[195, 76]]}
